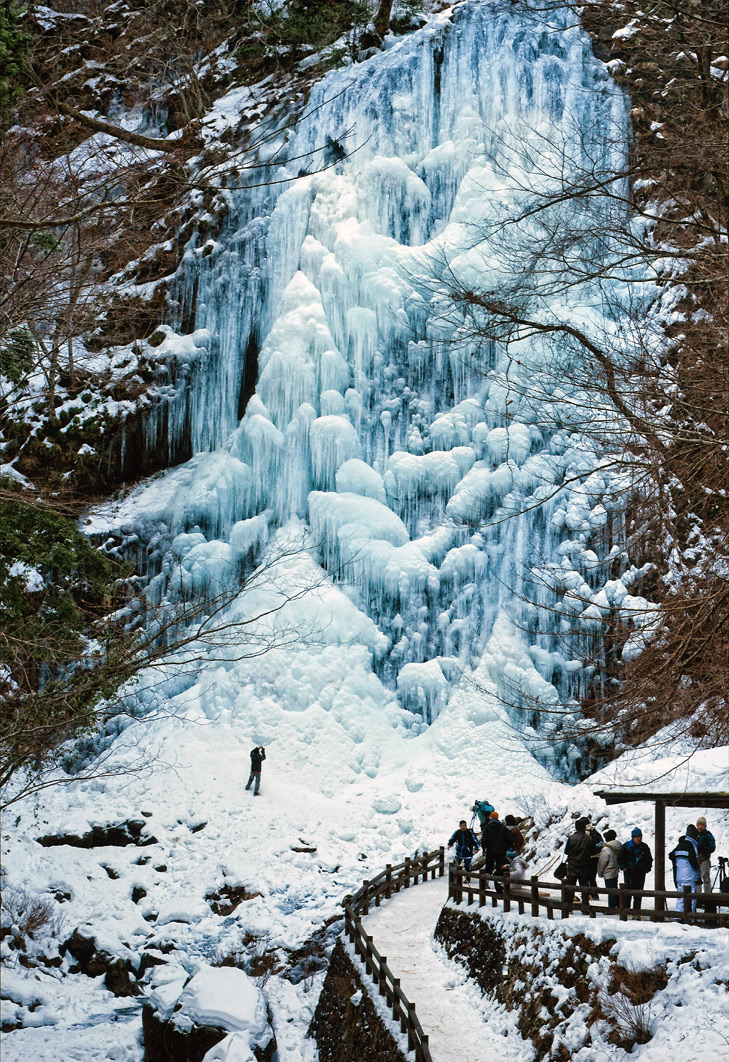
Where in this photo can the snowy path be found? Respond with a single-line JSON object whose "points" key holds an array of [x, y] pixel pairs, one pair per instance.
{"points": [[461, 1025]]}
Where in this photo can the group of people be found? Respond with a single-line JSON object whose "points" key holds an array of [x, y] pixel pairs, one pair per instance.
{"points": [[588, 854], [502, 843]]}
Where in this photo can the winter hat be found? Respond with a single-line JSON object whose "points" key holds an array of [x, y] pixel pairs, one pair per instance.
{"points": [[636, 832], [701, 821], [510, 820], [609, 835], [581, 823], [692, 832], [494, 815]]}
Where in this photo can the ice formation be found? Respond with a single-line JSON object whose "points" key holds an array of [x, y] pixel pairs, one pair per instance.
{"points": [[448, 481]]}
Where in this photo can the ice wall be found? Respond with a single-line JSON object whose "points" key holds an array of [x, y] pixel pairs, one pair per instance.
{"points": [[447, 480]]}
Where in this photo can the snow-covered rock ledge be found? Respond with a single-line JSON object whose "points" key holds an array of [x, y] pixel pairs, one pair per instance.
{"points": [[590, 988], [348, 1026]]}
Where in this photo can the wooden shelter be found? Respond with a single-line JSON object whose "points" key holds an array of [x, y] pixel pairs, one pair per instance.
{"points": [[662, 801]]}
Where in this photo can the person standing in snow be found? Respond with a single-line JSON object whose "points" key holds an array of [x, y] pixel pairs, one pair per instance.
{"points": [[483, 809], [496, 841], [686, 868], [517, 837], [466, 843], [607, 865], [707, 845], [635, 860], [597, 846], [578, 851], [258, 755]]}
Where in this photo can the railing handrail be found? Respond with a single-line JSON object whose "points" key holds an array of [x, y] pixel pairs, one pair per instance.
{"points": [[412, 871], [476, 883]]}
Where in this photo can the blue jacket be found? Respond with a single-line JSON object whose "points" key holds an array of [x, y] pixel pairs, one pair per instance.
{"points": [[707, 844], [466, 843]]}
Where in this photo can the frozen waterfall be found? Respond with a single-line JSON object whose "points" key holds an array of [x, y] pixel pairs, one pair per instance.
{"points": [[446, 480]]}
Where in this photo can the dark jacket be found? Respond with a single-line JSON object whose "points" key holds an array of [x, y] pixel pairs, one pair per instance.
{"points": [[635, 857], [258, 755], [466, 843], [517, 839], [496, 838], [684, 850], [707, 845], [578, 851]]}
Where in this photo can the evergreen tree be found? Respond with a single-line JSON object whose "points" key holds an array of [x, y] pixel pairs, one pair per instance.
{"points": [[13, 50]]}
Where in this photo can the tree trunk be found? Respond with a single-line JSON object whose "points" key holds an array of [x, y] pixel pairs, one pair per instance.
{"points": [[382, 17]]}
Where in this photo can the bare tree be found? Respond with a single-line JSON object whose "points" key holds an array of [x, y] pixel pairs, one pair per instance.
{"points": [[54, 698], [624, 295]]}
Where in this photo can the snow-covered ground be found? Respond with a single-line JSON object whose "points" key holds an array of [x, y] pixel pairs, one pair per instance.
{"points": [[346, 779]]}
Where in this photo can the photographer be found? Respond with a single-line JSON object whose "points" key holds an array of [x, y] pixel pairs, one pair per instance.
{"points": [[707, 846], [258, 755]]}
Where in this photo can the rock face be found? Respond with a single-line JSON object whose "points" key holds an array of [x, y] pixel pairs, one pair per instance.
{"points": [[117, 835], [165, 1041], [561, 987], [120, 973], [185, 1019], [346, 1025]]}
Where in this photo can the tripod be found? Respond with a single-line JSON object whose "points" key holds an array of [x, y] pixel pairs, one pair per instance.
{"points": [[720, 876]]}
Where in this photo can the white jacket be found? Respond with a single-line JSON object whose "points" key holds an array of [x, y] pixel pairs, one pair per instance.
{"points": [[518, 869], [607, 864]]}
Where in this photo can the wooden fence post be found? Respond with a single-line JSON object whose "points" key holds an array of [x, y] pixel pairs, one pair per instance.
{"points": [[388, 880], [441, 861], [535, 896], [507, 892], [564, 907], [406, 873], [365, 897], [395, 1000], [404, 1018], [459, 883], [623, 902], [686, 903], [411, 1026], [382, 980], [481, 889], [369, 964]]}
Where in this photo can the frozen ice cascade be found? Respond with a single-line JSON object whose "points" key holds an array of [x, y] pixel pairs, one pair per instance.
{"points": [[446, 482]]}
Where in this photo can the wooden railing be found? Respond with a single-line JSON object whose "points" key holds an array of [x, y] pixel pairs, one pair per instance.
{"points": [[548, 896], [391, 880]]}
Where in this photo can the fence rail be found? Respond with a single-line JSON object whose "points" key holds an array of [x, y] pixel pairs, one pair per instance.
{"points": [[391, 880], [703, 909]]}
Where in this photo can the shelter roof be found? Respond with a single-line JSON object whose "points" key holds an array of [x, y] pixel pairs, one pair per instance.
{"points": [[676, 800]]}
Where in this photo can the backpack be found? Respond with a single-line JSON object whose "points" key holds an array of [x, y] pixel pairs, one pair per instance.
{"points": [[483, 809]]}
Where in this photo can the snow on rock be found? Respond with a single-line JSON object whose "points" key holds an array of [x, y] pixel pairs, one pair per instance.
{"points": [[236, 1047], [226, 998]]}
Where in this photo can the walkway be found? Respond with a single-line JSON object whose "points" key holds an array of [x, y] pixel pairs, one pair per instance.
{"points": [[462, 1026]]}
